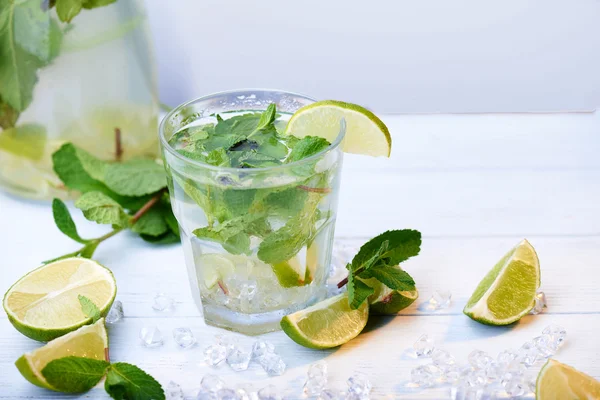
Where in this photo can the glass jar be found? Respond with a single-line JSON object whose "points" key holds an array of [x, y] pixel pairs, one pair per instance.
{"points": [[93, 83], [278, 262]]}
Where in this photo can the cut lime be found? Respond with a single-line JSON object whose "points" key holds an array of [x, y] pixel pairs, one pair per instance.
{"points": [[508, 291], [43, 304], [329, 323], [215, 268], [365, 132], [88, 341], [290, 273], [386, 300], [557, 381]]}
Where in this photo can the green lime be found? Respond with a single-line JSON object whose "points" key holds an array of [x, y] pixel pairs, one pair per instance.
{"points": [[508, 291], [329, 323], [365, 132], [560, 381], [44, 304], [386, 300], [214, 268], [88, 341]]}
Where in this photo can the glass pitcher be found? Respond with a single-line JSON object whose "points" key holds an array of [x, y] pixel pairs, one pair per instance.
{"points": [[91, 82]]}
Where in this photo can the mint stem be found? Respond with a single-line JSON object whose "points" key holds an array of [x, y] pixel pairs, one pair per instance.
{"points": [[147, 206], [345, 280], [314, 189], [118, 145]]}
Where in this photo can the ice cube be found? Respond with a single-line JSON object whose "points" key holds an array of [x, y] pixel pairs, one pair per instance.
{"points": [[239, 359], [184, 337], [226, 394], [215, 354], [528, 354], [317, 379], [540, 303], [268, 393], [272, 364], [513, 383], [162, 302], [480, 359], [260, 348], [151, 336], [425, 375], [227, 341], [173, 391], [206, 395], [557, 334], [359, 384], [439, 300], [506, 359], [115, 314], [545, 345], [472, 377], [442, 358], [246, 391], [328, 394], [423, 346], [212, 383]]}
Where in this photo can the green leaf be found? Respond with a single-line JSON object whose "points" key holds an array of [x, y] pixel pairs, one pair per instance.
{"points": [[90, 4], [74, 374], [135, 177], [233, 234], [18, 66], [68, 9], [171, 221], [8, 115], [267, 117], [64, 222], [100, 208], [125, 381], [306, 147], [391, 276], [27, 140], [69, 168], [218, 157], [152, 223], [358, 292], [89, 308], [33, 31], [402, 244], [166, 238], [284, 243]]}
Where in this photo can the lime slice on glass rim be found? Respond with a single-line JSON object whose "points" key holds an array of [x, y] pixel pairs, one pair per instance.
{"points": [[329, 323], [365, 133], [508, 291], [44, 304], [89, 341], [560, 381]]}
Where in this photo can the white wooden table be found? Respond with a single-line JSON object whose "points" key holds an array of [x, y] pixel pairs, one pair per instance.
{"points": [[474, 185]]}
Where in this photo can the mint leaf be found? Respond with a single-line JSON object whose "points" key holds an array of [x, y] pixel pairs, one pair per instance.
{"points": [[152, 223], [267, 117], [70, 169], [68, 9], [135, 177], [89, 308], [286, 242], [402, 244], [306, 147], [100, 208], [125, 381], [27, 140], [18, 66], [74, 374], [64, 222], [373, 259], [233, 234], [89, 4], [391, 276], [171, 221], [168, 237], [8, 115], [358, 291]]}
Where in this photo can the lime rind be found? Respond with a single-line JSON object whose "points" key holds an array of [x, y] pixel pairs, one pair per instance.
{"points": [[45, 333], [508, 284]]}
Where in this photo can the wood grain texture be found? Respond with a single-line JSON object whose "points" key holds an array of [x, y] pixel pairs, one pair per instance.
{"points": [[474, 185]]}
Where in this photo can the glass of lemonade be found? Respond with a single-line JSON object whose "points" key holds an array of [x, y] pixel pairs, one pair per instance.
{"points": [[256, 207]]}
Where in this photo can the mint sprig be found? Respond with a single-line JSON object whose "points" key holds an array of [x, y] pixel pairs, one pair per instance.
{"points": [[123, 380], [379, 258], [128, 195]]}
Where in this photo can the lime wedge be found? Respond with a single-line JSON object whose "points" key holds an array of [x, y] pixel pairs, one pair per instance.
{"points": [[388, 301], [365, 132], [43, 304], [215, 268], [88, 341], [329, 323], [560, 381], [290, 273], [508, 291]]}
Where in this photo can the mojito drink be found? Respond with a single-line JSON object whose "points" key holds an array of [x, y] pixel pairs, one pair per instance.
{"points": [[255, 205]]}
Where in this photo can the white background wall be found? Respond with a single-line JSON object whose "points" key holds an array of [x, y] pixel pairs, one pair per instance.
{"points": [[390, 55]]}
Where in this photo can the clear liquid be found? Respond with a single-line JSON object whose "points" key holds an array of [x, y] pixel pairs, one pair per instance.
{"points": [[102, 79]]}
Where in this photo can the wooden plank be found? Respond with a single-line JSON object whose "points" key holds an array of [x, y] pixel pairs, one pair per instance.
{"points": [[380, 352]]}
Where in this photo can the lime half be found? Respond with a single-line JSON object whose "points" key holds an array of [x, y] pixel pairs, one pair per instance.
{"points": [[88, 341], [508, 291], [388, 301], [365, 132], [44, 304], [329, 323], [557, 381]]}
